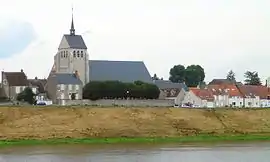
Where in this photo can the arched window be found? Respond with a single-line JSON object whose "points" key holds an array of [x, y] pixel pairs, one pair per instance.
{"points": [[61, 53], [66, 53], [78, 53], [74, 54]]}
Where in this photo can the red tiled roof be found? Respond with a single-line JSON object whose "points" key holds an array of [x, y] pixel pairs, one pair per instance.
{"points": [[204, 94], [229, 89], [252, 90]]}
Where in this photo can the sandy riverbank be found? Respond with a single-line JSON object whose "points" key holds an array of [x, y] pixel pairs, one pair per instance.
{"points": [[115, 122]]}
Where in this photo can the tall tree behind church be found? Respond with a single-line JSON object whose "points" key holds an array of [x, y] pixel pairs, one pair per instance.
{"points": [[252, 78], [193, 75], [231, 76]]}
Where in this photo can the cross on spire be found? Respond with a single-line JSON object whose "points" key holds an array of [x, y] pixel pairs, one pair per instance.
{"points": [[72, 29]]}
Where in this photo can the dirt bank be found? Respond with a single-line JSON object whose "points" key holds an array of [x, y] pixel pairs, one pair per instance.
{"points": [[55, 122]]}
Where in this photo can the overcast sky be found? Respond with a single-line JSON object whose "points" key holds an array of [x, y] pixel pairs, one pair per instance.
{"points": [[219, 35]]}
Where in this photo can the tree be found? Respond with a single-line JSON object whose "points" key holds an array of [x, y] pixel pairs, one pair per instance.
{"points": [[26, 95], [231, 76], [155, 77], [194, 75], [252, 78], [177, 74]]}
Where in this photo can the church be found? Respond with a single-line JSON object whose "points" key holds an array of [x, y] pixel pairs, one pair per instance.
{"points": [[72, 68]]}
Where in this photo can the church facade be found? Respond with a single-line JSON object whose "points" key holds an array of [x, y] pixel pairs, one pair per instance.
{"points": [[72, 69]]}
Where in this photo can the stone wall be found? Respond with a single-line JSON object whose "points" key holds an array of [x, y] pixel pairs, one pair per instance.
{"points": [[136, 103]]}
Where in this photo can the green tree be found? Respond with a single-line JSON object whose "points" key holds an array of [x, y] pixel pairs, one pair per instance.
{"points": [[194, 75], [231, 76], [252, 78], [177, 74], [26, 95]]}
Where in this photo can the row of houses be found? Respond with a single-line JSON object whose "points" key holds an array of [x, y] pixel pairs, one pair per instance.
{"points": [[218, 93]]}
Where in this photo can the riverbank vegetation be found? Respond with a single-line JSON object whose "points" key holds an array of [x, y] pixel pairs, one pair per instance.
{"points": [[154, 140], [116, 124]]}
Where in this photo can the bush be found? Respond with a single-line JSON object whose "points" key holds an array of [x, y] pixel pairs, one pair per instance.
{"points": [[26, 95], [114, 89]]}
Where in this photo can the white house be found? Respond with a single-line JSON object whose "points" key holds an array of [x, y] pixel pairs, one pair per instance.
{"points": [[199, 98]]}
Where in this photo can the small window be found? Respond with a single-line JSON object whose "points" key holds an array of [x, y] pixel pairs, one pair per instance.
{"points": [[61, 53], [78, 53], [74, 54], [81, 54]]}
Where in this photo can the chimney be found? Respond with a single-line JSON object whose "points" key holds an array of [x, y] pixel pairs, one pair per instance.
{"points": [[22, 70]]}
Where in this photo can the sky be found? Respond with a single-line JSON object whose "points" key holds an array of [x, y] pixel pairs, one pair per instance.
{"points": [[219, 35]]}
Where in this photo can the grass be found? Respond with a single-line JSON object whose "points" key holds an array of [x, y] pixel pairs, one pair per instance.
{"points": [[139, 140]]}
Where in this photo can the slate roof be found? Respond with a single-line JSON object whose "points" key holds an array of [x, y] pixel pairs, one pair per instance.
{"points": [[16, 78], [63, 78], [124, 71], [166, 84], [72, 41]]}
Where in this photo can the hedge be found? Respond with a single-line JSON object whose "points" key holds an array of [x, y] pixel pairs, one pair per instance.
{"points": [[95, 90]]}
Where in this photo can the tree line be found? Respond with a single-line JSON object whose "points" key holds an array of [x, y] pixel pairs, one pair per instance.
{"points": [[95, 90], [194, 75], [251, 77]]}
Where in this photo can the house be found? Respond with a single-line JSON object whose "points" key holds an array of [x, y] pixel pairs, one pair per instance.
{"points": [[251, 96], [62, 86], [235, 98], [41, 94], [39, 83], [221, 96], [255, 95], [199, 98], [14, 83], [170, 90]]}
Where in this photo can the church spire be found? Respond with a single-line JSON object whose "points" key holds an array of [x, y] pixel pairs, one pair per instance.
{"points": [[72, 29]]}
